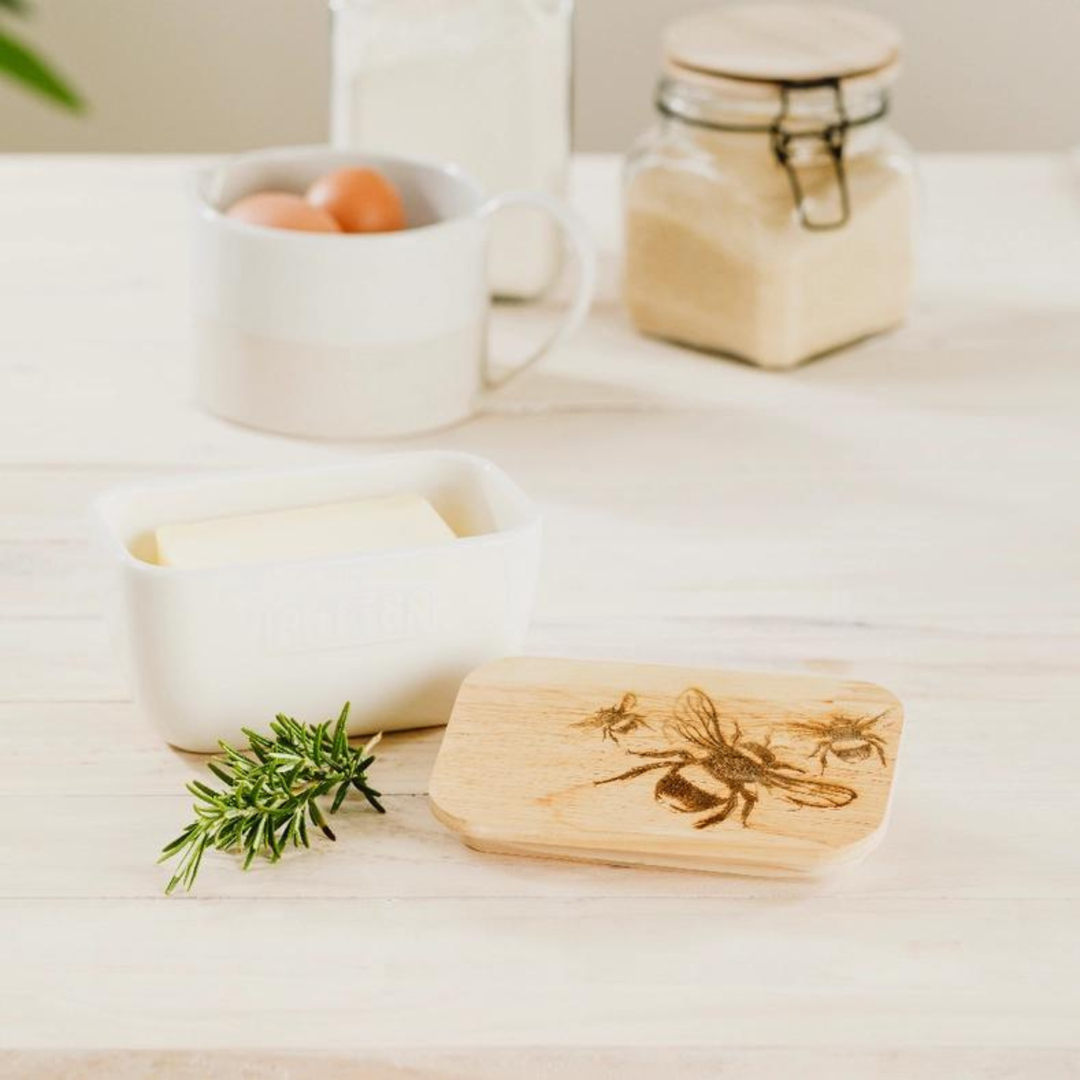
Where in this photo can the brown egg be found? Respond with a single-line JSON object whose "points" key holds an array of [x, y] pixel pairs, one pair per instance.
{"points": [[280, 210], [361, 200]]}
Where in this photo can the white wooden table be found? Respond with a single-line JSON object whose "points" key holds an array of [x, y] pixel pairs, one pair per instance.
{"points": [[906, 512]]}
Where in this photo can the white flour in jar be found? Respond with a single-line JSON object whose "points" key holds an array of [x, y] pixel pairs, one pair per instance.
{"points": [[722, 263], [480, 83]]}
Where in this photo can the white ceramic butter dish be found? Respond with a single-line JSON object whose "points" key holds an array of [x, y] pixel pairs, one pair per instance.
{"points": [[212, 650]]}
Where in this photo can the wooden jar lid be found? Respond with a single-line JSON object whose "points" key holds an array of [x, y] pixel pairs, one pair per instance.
{"points": [[665, 766], [775, 43]]}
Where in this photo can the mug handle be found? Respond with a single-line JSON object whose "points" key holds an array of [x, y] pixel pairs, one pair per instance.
{"points": [[583, 251]]}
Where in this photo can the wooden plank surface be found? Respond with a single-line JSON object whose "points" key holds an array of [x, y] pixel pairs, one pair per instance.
{"points": [[905, 513], [693, 1063], [439, 972]]}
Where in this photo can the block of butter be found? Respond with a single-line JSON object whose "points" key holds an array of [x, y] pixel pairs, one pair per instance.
{"points": [[308, 532]]}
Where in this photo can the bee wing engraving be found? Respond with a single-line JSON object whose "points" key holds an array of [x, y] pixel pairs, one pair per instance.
{"points": [[809, 727], [697, 721], [695, 705], [805, 791], [868, 722]]}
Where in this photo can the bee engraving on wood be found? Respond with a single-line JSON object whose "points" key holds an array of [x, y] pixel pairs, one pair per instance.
{"points": [[712, 770], [615, 721], [849, 739]]}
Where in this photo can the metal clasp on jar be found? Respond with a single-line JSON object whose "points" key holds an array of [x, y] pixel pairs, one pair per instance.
{"points": [[833, 137], [784, 134]]}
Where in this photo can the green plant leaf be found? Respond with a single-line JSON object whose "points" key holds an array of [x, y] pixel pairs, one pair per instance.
{"points": [[23, 65], [16, 7]]}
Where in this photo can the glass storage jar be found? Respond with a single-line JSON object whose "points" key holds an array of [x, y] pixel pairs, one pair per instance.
{"points": [[768, 215], [483, 84]]}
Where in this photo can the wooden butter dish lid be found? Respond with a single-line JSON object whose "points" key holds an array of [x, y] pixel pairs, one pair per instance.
{"points": [[663, 766]]}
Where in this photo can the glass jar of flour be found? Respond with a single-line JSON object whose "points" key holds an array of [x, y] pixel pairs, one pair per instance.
{"points": [[484, 84], [769, 213]]}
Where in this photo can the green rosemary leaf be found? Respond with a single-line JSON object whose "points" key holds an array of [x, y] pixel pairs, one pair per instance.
{"points": [[339, 797], [256, 744], [172, 848], [272, 843], [247, 831], [341, 738], [369, 793], [270, 792], [221, 772], [201, 791], [281, 836], [317, 818], [193, 868], [254, 841]]}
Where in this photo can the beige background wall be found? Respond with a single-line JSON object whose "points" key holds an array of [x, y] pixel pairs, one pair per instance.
{"points": [[223, 74]]}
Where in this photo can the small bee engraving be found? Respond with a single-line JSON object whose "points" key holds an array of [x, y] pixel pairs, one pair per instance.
{"points": [[848, 739], [615, 721]]}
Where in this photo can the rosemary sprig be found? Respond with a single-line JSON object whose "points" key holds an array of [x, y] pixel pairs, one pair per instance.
{"points": [[271, 793]]}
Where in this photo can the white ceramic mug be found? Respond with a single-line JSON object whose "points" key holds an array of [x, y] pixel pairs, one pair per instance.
{"points": [[356, 336]]}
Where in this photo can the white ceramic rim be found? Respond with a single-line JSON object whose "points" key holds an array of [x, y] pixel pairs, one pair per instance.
{"points": [[107, 503], [450, 172]]}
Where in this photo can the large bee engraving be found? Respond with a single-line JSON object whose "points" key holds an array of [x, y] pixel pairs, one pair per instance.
{"points": [[618, 720], [716, 773], [848, 739]]}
